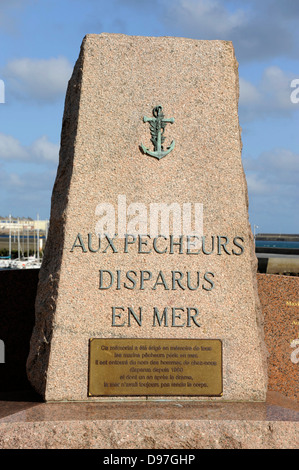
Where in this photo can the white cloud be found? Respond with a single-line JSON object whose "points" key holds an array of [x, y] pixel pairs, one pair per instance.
{"points": [[249, 93], [26, 193], [271, 96], [29, 183], [40, 151], [41, 80], [258, 185], [207, 17], [258, 30], [11, 148], [276, 170], [45, 150], [276, 83], [273, 189]]}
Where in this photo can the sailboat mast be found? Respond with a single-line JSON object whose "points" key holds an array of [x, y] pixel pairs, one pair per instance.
{"points": [[27, 242], [37, 237], [19, 239], [9, 242]]}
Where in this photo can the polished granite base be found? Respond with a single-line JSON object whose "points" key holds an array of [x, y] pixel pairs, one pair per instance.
{"points": [[149, 425]]}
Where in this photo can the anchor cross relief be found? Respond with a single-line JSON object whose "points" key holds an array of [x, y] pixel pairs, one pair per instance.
{"points": [[157, 128]]}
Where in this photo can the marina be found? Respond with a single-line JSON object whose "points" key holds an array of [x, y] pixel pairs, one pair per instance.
{"points": [[22, 242]]}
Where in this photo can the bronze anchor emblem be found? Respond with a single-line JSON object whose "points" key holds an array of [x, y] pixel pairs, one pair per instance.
{"points": [[157, 129]]}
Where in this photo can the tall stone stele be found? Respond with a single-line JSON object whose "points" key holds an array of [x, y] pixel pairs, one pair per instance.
{"points": [[149, 123]]}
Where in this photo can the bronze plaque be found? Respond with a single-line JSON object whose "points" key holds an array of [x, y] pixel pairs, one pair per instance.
{"points": [[170, 367]]}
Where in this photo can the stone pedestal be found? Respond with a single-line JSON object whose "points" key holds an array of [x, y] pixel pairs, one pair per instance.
{"points": [[151, 425]]}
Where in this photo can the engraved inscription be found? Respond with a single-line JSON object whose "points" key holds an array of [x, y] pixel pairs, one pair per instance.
{"points": [[143, 367]]}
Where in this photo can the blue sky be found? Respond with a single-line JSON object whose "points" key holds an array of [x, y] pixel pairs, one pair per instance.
{"points": [[40, 42]]}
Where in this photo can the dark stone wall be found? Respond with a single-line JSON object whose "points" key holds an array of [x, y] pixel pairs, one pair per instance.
{"points": [[279, 301], [17, 299], [279, 297]]}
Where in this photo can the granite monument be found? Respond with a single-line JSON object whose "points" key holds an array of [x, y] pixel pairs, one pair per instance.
{"points": [[148, 284]]}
